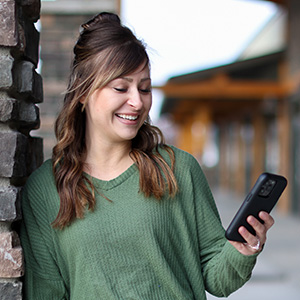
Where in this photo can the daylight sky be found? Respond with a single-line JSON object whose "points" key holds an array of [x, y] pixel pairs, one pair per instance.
{"points": [[189, 35]]}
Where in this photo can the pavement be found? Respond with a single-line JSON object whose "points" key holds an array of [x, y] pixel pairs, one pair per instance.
{"points": [[276, 275]]}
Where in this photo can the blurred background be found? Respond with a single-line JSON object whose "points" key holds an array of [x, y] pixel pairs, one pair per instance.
{"points": [[226, 77]]}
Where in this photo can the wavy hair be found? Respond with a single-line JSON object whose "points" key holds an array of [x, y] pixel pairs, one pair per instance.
{"points": [[105, 50]]}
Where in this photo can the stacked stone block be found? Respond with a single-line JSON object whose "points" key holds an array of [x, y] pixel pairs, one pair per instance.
{"points": [[20, 154]]}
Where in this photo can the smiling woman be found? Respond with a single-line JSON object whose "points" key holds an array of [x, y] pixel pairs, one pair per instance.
{"points": [[109, 77], [115, 113], [116, 213]]}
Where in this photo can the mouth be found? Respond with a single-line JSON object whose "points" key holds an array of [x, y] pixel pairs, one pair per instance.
{"points": [[128, 117]]}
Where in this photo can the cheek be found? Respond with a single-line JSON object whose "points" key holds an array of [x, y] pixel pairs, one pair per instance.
{"points": [[149, 104], [101, 108]]}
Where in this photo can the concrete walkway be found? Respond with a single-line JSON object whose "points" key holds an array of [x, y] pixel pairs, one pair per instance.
{"points": [[277, 273]]}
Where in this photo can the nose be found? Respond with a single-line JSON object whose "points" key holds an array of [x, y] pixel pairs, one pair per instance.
{"points": [[135, 100]]}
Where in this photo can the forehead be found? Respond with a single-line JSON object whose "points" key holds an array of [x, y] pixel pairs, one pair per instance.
{"points": [[142, 70], [142, 73]]}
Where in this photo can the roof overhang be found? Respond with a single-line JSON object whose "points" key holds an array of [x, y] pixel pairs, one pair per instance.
{"points": [[223, 87], [281, 2], [226, 88]]}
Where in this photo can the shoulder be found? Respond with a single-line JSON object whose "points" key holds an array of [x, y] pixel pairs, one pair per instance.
{"points": [[40, 194], [40, 184], [42, 175], [186, 165], [185, 160], [180, 155], [183, 156]]}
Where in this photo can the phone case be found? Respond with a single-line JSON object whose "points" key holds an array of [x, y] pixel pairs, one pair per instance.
{"points": [[262, 197]]}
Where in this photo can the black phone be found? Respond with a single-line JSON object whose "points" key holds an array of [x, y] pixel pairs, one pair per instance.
{"points": [[262, 197]]}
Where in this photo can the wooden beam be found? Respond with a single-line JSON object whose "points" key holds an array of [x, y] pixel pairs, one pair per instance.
{"points": [[219, 108], [225, 89]]}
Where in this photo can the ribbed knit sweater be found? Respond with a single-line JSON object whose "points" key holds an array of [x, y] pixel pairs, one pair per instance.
{"points": [[133, 247]]}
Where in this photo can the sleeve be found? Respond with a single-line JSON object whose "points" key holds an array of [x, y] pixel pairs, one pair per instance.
{"points": [[224, 269], [42, 279]]}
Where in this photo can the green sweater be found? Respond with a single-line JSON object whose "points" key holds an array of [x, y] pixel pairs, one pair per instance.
{"points": [[131, 248]]}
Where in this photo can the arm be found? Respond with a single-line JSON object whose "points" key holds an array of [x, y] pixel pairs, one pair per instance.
{"points": [[42, 276], [224, 268]]}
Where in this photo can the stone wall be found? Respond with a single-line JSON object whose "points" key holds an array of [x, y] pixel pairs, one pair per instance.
{"points": [[20, 91], [58, 36]]}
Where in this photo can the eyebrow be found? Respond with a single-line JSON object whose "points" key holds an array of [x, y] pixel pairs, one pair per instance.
{"points": [[131, 80]]}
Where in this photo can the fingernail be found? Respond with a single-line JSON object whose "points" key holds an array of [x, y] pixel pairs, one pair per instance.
{"points": [[251, 220], [262, 214]]}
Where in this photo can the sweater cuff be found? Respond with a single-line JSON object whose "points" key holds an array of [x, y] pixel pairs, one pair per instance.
{"points": [[243, 264]]}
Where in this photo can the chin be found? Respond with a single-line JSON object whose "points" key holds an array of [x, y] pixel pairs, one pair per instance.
{"points": [[128, 137]]}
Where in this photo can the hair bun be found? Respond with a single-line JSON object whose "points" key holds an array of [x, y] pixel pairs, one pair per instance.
{"points": [[101, 18]]}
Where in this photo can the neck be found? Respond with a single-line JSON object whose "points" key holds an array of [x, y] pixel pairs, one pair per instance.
{"points": [[107, 161]]}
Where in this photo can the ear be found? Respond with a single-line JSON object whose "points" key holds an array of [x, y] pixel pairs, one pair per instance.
{"points": [[83, 101]]}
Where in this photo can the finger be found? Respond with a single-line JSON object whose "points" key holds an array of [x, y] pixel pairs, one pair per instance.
{"points": [[253, 243], [248, 237], [267, 218], [259, 228]]}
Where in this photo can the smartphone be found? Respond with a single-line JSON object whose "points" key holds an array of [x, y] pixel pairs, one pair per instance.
{"points": [[262, 197]]}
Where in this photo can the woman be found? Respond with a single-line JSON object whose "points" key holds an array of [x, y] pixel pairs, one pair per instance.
{"points": [[116, 213]]}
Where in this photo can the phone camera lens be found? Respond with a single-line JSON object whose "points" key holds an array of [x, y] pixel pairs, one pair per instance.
{"points": [[267, 188]]}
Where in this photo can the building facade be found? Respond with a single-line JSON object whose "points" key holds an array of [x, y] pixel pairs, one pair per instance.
{"points": [[242, 119]]}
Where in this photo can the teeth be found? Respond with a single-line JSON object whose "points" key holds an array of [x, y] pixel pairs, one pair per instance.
{"points": [[127, 117]]}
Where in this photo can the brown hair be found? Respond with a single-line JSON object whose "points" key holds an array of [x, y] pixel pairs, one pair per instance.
{"points": [[105, 50]]}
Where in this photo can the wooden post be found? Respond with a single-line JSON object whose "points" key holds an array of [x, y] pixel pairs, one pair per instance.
{"points": [[241, 161], [184, 138], [284, 137], [223, 163], [259, 145], [200, 129]]}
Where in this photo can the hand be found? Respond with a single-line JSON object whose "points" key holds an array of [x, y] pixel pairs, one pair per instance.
{"points": [[261, 234]]}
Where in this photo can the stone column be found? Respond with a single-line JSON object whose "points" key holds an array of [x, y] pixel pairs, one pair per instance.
{"points": [[20, 91]]}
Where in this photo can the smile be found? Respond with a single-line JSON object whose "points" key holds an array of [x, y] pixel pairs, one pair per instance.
{"points": [[127, 117]]}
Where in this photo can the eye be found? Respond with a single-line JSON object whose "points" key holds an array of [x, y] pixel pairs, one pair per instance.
{"points": [[120, 90], [145, 91]]}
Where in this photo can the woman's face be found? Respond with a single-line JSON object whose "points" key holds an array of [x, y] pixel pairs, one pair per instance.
{"points": [[116, 112]]}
